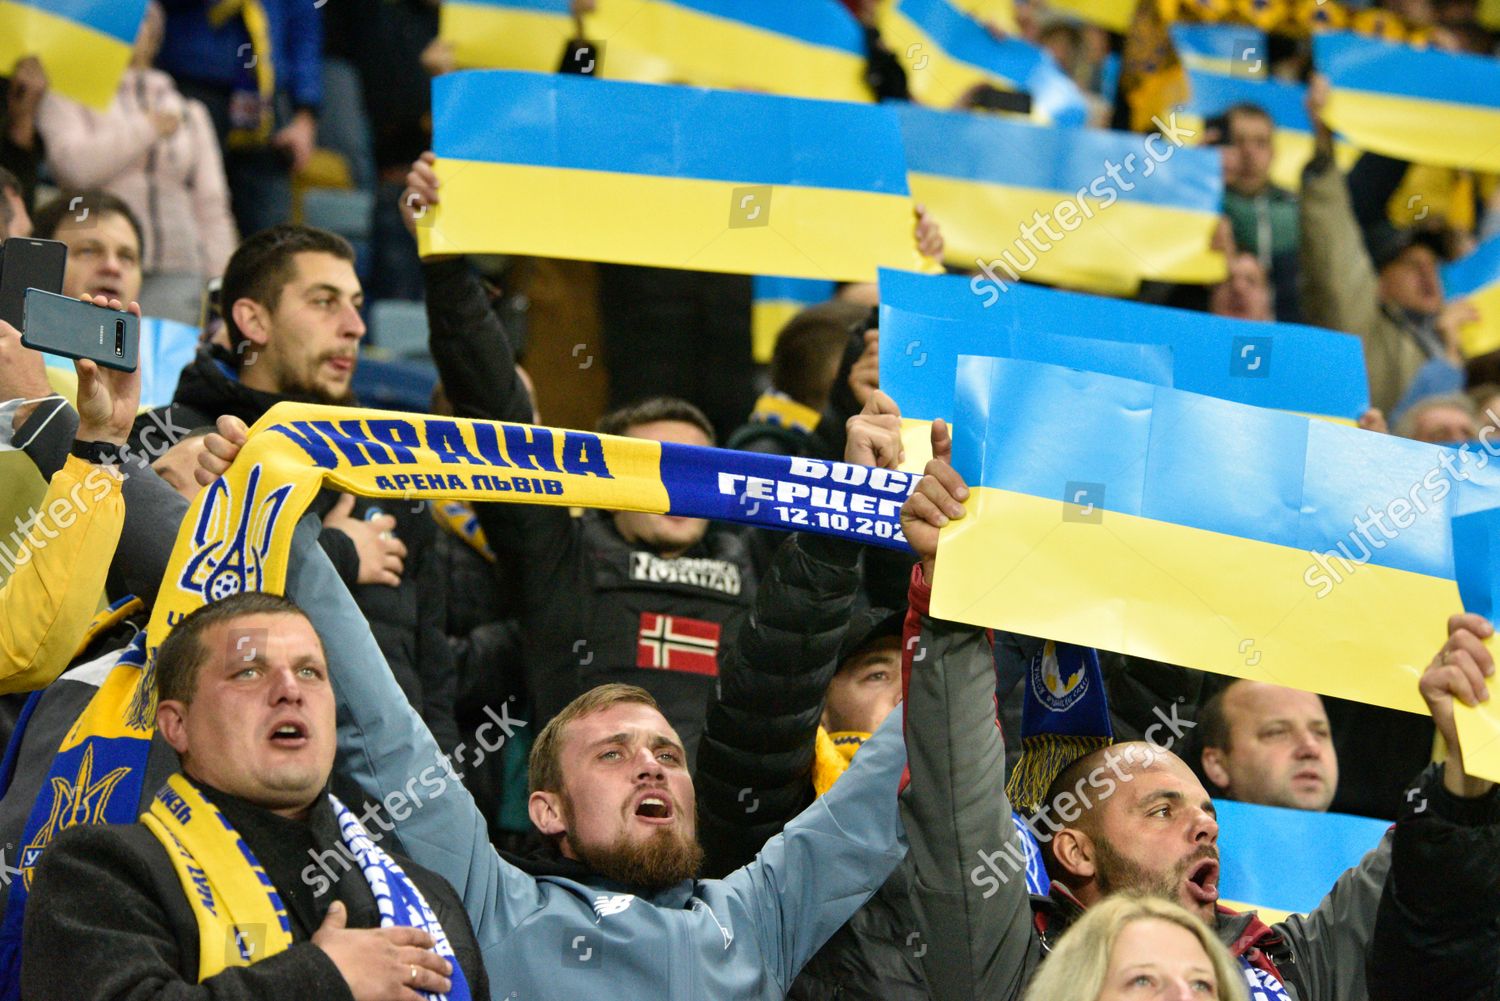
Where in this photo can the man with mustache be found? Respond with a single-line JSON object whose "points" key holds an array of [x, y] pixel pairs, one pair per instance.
{"points": [[292, 305], [1132, 816]]}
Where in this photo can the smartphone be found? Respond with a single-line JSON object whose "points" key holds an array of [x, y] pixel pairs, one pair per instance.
{"points": [[995, 99], [77, 329], [26, 263]]}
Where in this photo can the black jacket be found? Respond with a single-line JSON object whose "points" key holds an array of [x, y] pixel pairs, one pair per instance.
{"points": [[108, 917], [1437, 933], [407, 620], [755, 763], [596, 608]]}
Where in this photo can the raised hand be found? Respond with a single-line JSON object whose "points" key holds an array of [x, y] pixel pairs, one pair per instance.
{"points": [[937, 500], [107, 397], [1458, 671], [873, 436]]}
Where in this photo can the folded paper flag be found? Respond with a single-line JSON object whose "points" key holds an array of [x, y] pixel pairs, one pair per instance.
{"points": [[773, 46], [1115, 15], [1476, 277], [1422, 105], [946, 52], [928, 321], [1167, 525], [1476, 558], [1084, 208], [568, 166], [1221, 63], [1230, 50], [1255, 867], [83, 45]]}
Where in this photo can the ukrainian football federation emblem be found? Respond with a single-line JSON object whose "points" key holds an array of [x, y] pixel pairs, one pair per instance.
{"points": [[1059, 682], [232, 539], [74, 803]]}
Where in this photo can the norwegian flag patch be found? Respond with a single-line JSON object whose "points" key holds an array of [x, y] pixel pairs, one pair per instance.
{"points": [[677, 643]]}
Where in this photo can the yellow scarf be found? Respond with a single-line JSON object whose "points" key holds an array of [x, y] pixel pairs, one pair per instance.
{"points": [[241, 919], [832, 754]]}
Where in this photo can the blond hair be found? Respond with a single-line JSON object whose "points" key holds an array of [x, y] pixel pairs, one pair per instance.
{"points": [[1075, 970], [545, 764]]}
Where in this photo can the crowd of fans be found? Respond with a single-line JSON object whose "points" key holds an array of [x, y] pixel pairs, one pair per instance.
{"points": [[645, 829]]}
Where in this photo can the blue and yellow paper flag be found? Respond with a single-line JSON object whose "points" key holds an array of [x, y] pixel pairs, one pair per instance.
{"points": [[928, 321], [1115, 15], [1083, 208], [1230, 50], [676, 177], [1476, 277], [1176, 527], [773, 46], [83, 45], [1257, 870], [946, 52], [1421, 105], [1222, 71], [775, 301]]}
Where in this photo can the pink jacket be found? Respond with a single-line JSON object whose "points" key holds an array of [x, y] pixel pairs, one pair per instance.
{"points": [[174, 185]]}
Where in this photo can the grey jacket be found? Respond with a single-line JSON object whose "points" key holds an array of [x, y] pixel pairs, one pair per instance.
{"points": [[982, 937], [744, 936]]}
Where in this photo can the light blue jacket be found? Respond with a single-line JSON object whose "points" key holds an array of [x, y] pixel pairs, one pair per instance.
{"points": [[745, 936]]}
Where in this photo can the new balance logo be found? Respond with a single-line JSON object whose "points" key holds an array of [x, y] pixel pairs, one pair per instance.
{"points": [[604, 906]]}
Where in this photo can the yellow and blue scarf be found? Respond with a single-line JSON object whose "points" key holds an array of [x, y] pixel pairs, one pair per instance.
{"points": [[241, 918], [237, 537]]}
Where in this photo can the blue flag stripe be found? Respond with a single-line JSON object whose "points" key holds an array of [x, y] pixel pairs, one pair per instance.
{"points": [[509, 116], [1204, 463], [1066, 160], [1357, 63]]}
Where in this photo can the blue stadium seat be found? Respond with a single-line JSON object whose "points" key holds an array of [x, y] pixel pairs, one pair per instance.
{"points": [[398, 327]]}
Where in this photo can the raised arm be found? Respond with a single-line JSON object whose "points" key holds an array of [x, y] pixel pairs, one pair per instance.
{"points": [[1339, 289], [478, 369], [386, 749], [1435, 933], [811, 878], [755, 762], [969, 889]]}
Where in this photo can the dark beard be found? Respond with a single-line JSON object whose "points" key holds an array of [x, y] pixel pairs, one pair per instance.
{"points": [[662, 860], [294, 388], [1117, 873]]}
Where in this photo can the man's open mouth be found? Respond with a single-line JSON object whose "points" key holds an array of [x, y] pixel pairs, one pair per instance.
{"points": [[654, 807], [289, 735], [1203, 881]]}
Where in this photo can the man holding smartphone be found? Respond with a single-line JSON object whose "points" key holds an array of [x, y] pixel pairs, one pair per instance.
{"points": [[57, 555]]}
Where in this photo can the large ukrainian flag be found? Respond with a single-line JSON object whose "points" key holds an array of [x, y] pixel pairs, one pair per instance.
{"points": [[1425, 106], [988, 177], [774, 46], [573, 167], [946, 52], [1177, 527], [1477, 278], [928, 321], [84, 45]]}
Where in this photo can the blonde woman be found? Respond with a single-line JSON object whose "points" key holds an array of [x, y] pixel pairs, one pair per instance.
{"points": [[1130, 948]]}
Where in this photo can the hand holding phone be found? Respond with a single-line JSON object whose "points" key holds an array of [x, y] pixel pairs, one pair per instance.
{"points": [[82, 328], [107, 397]]}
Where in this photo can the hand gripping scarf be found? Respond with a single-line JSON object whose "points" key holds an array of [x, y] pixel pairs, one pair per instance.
{"points": [[238, 532]]}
